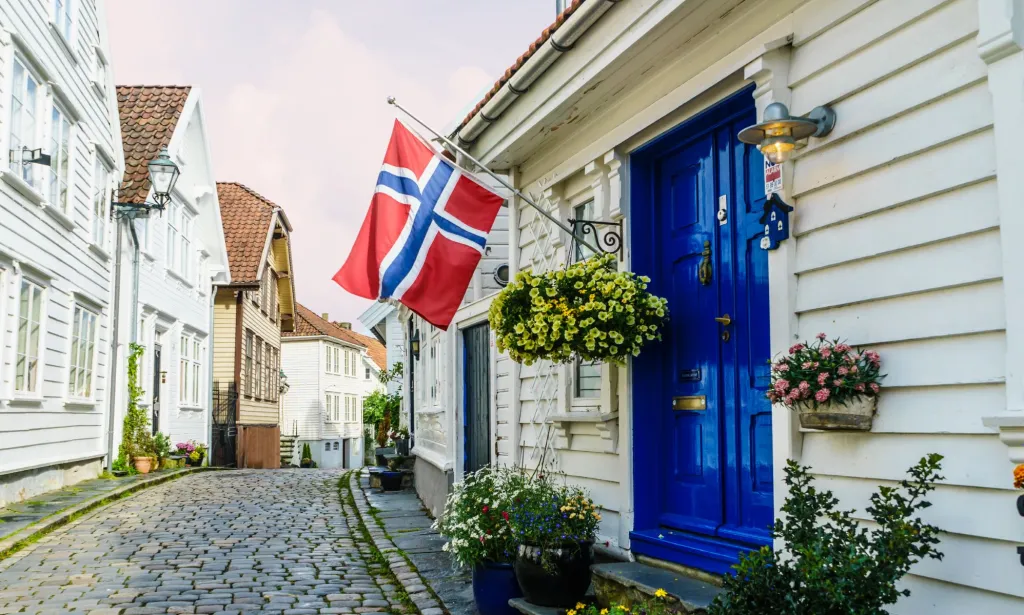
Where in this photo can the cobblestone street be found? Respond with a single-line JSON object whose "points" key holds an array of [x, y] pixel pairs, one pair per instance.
{"points": [[219, 542]]}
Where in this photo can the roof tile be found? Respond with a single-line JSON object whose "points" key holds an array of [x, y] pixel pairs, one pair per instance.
{"points": [[246, 217], [148, 117], [308, 324]]}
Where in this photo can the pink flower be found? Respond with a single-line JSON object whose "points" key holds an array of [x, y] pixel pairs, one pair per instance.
{"points": [[773, 397], [814, 365], [482, 540], [837, 383], [842, 371], [793, 396], [806, 365], [826, 352], [872, 356], [822, 377], [860, 387], [806, 393], [784, 368], [842, 348], [782, 386], [853, 369], [821, 395], [821, 336], [874, 387], [795, 348], [804, 386]]}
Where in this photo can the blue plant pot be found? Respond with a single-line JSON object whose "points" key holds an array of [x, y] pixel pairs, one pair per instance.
{"points": [[493, 586], [390, 481]]}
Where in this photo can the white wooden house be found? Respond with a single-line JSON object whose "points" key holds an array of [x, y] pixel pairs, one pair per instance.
{"points": [[182, 255], [905, 239], [331, 370], [61, 157]]}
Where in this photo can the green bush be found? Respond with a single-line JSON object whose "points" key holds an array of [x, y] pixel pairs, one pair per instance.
{"points": [[833, 565]]}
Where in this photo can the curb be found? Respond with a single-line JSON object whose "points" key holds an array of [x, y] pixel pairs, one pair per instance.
{"points": [[423, 596], [21, 539]]}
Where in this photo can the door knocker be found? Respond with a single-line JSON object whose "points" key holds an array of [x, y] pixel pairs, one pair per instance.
{"points": [[704, 270]]}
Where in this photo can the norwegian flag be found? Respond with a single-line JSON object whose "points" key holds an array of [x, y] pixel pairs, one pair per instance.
{"points": [[424, 234]]}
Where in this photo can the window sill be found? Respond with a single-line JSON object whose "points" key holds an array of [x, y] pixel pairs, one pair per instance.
{"points": [[26, 400], [64, 42], [99, 251], [177, 276], [58, 215], [15, 180], [148, 256], [190, 408], [79, 404], [99, 88]]}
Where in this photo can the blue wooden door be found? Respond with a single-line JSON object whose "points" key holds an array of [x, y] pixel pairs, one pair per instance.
{"points": [[703, 465]]}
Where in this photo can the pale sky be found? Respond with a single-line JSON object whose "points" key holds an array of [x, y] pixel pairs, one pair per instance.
{"points": [[294, 95]]}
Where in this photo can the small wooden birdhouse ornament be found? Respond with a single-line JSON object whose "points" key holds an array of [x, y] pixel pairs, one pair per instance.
{"points": [[775, 221]]}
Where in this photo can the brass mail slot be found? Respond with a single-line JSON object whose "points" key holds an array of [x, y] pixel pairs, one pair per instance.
{"points": [[690, 402]]}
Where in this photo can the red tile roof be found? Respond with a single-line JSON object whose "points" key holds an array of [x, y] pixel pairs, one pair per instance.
{"points": [[309, 324], [246, 217], [148, 117], [376, 351], [543, 38]]}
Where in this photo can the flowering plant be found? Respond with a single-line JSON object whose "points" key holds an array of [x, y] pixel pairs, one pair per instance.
{"points": [[193, 451], [550, 518], [590, 311], [658, 605], [824, 371], [1018, 477], [477, 518]]}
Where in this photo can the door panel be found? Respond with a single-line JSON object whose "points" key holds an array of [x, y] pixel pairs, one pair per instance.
{"points": [[477, 382], [155, 419]]}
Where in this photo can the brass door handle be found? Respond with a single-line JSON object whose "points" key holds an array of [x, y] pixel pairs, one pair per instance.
{"points": [[725, 320]]}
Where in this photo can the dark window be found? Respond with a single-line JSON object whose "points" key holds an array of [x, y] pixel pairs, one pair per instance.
{"points": [[327, 446], [248, 363], [259, 369], [367, 373]]}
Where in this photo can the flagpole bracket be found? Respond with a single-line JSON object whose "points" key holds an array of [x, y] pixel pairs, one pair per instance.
{"points": [[607, 235]]}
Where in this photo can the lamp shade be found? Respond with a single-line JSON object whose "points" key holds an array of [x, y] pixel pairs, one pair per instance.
{"points": [[163, 174]]}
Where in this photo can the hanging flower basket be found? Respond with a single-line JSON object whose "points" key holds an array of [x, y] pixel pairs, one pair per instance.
{"points": [[830, 385], [589, 310]]}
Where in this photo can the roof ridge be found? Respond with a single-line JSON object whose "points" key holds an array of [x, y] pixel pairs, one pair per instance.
{"points": [[331, 330], [259, 196]]}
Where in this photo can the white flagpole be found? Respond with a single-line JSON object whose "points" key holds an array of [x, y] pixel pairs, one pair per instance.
{"points": [[480, 165]]}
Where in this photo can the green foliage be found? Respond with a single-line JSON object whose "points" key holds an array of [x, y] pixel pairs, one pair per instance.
{"points": [[380, 403], [658, 605], [307, 453], [551, 514], [590, 311], [136, 441], [161, 445], [832, 564]]}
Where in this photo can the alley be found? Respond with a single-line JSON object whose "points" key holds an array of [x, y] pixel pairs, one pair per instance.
{"points": [[217, 542]]}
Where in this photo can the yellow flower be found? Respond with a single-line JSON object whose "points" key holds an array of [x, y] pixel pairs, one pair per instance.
{"points": [[604, 611], [571, 612], [580, 605], [660, 593]]}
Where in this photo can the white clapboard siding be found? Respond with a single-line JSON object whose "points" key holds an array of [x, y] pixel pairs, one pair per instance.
{"points": [[302, 404], [48, 430], [952, 409], [941, 598]]}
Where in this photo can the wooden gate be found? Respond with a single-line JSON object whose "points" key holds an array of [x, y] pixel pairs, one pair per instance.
{"points": [[259, 446]]}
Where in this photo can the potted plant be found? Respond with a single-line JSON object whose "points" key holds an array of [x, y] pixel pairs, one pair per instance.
{"points": [[400, 438], [555, 527], [391, 478], [144, 453], [830, 385], [162, 450], [385, 446], [307, 457], [589, 311], [478, 529], [192, 452], [831, 562], [1018, 483]]}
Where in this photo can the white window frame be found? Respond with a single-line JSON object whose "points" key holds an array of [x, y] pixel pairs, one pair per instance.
{"points": [[82, 359], [190, 371], [333, 359], [333, 406], [60, 149], [100, 70], [585, 211], [3, 326], [62, 16], [36, 391], [171, 236], [184, 264], [100, 205], [27, 173]]}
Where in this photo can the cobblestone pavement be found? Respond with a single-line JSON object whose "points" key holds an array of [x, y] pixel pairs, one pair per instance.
{"points": [[276, 541]]}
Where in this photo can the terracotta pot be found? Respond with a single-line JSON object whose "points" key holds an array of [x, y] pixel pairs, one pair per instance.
{"points": [[854, 415], [143, 464]]}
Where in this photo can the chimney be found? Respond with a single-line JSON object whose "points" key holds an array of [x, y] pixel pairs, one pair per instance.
{"points": [[326, 316], [344, 325]]}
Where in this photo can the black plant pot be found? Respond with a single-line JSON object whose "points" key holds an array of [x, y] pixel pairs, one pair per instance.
{"points": [[556, 577], [402, 447], [390, 481]]}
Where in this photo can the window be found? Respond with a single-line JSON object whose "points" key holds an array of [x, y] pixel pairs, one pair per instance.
{"points": [[60, 152], [31, 311], [258, 387], [367, 376], [336, 446], [268, 365], [142, 231], [333, 359], [24, 129], [584, 211], [63, 17], [190, 372], [99, 70], [248, 363], [587, 374], [100, 201], [179, 240], [351, 408], [184, 265], [83, 353], [333, 408], [348, 362], [173, 211], [327, 446]]}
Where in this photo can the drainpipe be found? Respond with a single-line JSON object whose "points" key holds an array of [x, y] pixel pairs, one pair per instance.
{"points": [[209, 372], [112, 388], [558, 43], [135, 283]]}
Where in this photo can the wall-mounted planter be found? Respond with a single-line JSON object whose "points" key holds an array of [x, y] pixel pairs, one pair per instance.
{"points": [[854, 415]]}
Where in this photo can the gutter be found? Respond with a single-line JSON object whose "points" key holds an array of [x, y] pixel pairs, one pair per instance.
{"points": [[560, 42]]}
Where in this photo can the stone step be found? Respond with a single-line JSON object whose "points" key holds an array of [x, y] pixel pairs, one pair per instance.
{"points": [[633, 582]]}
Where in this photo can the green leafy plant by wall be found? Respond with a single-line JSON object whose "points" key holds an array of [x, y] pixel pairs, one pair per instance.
{"points": [[136, 440], [831, 563], [381, 403]]}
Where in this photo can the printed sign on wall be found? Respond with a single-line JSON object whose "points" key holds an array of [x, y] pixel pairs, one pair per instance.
{"points": [[772, 177]]}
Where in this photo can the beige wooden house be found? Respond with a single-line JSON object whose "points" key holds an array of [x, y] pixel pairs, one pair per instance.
{"points": [[249, 316]]}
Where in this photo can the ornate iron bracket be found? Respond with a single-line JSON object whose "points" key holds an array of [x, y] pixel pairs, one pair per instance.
{"points": [[609, 241]]}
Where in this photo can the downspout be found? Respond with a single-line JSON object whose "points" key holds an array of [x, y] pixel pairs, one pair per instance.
{"points": [[112, 389], [558, 43], [135, 285], [209, 370]]}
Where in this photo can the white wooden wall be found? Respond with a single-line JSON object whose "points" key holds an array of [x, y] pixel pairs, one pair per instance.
{"points": [[303, 405], [48, 431]]}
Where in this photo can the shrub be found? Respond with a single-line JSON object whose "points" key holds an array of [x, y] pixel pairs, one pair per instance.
{"points": [[590, 311], [161, 445], [833, 565], [824, 371]]}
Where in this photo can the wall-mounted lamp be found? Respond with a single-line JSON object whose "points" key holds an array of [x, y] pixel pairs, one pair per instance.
{"points": [[416, 344], [778, 132]]}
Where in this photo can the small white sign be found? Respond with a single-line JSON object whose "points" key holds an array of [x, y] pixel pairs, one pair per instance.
{"points": [[772, 177]]}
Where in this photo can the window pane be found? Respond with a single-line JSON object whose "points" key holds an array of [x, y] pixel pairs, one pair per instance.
{"points": [[588, 379]]}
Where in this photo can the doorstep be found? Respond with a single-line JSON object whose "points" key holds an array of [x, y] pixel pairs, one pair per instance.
{"points": [[633, 582]]}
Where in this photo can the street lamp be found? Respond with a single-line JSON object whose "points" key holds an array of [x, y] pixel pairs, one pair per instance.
{"points": [[163, 174]]}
